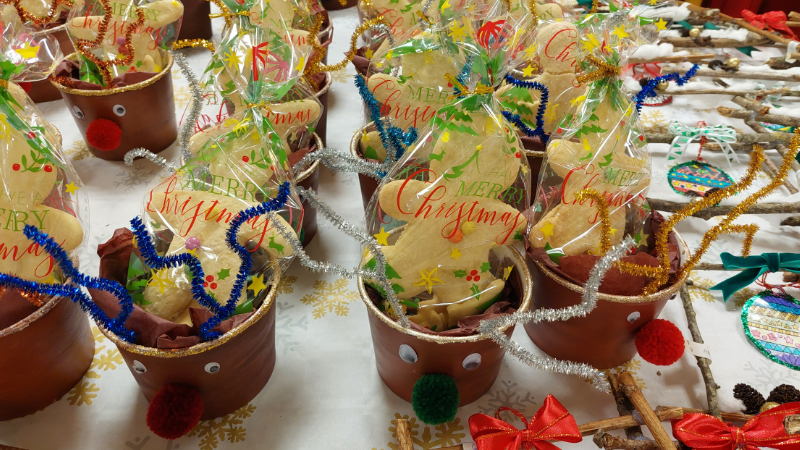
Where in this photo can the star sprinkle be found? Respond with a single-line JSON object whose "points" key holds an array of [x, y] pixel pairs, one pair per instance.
{"points": [[458, 30], [257, 285], [641, 237], [528, 71], [382, 237], [620, 32], [530, 52], [160, 279], [232, 59], [27, 51], [550, 114], [368, 53], [590, 42], [575, 101], [428, 279], [547, 229], [455, 254], [445, 5], [71, 188], [300, 64], [661, 24], [507, 272]]}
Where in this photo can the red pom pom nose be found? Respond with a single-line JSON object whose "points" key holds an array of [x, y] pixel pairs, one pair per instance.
{"points": [[174, 411], [660, 342], [103, 134]]}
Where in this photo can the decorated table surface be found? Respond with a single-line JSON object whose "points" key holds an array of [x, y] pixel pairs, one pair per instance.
{"points": [[325, 392]]}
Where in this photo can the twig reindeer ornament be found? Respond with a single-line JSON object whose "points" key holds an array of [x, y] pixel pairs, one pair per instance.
{"points": [[40, 186], [124, 36]]}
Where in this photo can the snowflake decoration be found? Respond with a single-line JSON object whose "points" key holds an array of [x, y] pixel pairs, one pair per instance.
{"points": [[444, 435], [286, 326], [285, 285], [82, 393], [132, 177], [105, 359], [78, 151], [182, 96], [229, 427], [632, 367], [508, 395], [341, 76], [700, 286], [330, 298], [742, 296], [767, 378], [655, 122]]}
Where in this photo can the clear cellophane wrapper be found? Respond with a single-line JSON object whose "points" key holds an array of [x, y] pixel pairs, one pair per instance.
{"points": [[153, 27], [451, 202], [599, 145], [261, 60], [403, 16], [408, 82], [41, 14], [40, 186]]}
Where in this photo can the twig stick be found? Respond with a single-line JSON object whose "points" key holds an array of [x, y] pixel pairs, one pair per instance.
{"points": [[726, 92], [758, 128], [792, 424], [758, 208], [628, 385], [752, 105], [608, 442], [746, 25], [746, 75], [618, 423], [768, 162], [455, 447], [748, 138], [687, 42], [624, 408], [769, 118], [404, 440], [726, 416], [674, 59], [703, 363]]}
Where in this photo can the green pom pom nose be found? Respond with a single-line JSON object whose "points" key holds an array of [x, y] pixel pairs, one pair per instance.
{"points": [[435, 398]]}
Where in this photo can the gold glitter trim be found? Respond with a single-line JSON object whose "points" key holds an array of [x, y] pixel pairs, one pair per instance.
{"points": [[3, 84], [605, 220], [316, 68], [226, 13], [119, 90], [603, 70], [525, 302], [534, 153], [532, 8], [683, 247], [269, 302], [26, 15], [194, 43], [36, 315], [307, 173]]}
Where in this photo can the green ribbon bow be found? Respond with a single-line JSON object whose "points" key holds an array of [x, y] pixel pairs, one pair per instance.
{"points": [[754, 267]]}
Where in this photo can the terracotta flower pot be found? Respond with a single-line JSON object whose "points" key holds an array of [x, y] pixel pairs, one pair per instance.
{"points": [[146, 119], [605, 337], [44, 91], [196, 24], [43, 355], [437, 354], [326, 34], [535, 151], [309, 179], [322, 96], [367, 183], [227, 372]]}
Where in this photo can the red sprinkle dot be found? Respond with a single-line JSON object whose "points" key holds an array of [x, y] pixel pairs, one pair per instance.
{"points": [[48, 169], [246, 158], [559, 130], [31, 135], [15, 167], [213, 285], [473, 272], [641, 137], [477, 278], [518, 155], [205, 284], [210, 278]]}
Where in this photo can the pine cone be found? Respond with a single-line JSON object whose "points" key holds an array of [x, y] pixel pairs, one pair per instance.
{"points": [[751, 398], [784, 393]]}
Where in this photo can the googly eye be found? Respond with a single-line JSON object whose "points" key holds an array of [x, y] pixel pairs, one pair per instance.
{"points": [[408, 354], [634, 316], [138, 367], [119, 110], [78, 112], [212, 367], [472, 361]]}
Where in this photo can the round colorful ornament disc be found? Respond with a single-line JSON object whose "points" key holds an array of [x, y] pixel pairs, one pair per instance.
{"points": [[697, 179], [772, 322]]}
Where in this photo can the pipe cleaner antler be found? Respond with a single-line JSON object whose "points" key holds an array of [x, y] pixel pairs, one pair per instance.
{"points": [[660, 274]]}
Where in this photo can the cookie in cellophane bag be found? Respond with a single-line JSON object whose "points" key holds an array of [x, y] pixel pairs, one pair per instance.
{"points": [[597, 146], [42, 190]]}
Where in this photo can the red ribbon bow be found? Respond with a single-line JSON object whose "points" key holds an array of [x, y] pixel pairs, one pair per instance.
{"points": [[701, 431], [551, 422], [774, 20]]}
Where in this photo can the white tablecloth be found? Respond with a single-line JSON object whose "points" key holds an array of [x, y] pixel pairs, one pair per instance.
{"points": [[325, 392]]}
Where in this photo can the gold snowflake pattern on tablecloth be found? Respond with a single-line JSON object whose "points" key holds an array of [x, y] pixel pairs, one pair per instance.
{"points": [[443, 435], [700, 287], [633, 366], [655, 122], [182, 96], [106, 357], [286, 285], [341, 76], [742, 296], [78, 151], [330, 298], [227, 428]]}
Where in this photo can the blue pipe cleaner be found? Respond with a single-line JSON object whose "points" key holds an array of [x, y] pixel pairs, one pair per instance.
{"points": [[394, 139], [73, 291], [516, 120], [220, 312], [647, 91]]}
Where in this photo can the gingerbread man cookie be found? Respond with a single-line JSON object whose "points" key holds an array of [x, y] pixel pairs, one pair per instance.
{"points": [[147, 39], [456, 210]]}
